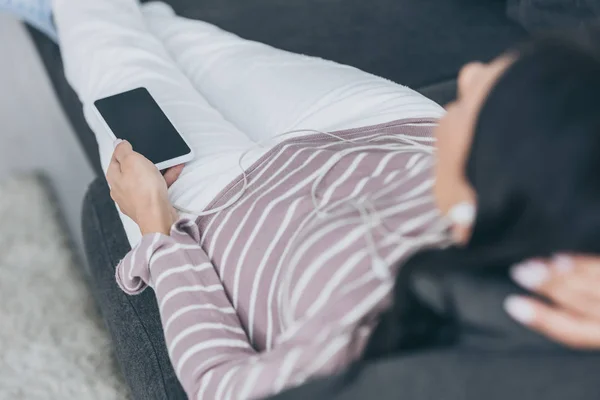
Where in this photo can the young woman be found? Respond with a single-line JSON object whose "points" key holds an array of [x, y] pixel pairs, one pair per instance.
{"points": [[286, 268]]}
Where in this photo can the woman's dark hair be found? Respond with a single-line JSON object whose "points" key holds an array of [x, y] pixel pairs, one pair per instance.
{"points": [[535, 167]]}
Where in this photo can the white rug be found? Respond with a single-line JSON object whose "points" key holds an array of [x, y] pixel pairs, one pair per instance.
{"points": [[52, 343]]}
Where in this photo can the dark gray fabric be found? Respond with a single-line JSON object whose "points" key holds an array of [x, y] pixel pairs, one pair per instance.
{"points": [[133, 321], [442, 93], [461, 375], [540, 15], [416, 43]]}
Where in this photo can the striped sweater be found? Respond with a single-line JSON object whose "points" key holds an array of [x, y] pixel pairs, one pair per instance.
{"points": [[287, 283]]}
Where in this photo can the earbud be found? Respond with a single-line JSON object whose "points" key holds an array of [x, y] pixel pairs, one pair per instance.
{"points": [[462, 217], [462, 214]]}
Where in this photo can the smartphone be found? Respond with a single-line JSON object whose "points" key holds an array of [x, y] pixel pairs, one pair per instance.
{"points": [[136, 117]]}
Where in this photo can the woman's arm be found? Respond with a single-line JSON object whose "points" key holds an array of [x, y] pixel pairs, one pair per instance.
{"points": [[209, 349]]}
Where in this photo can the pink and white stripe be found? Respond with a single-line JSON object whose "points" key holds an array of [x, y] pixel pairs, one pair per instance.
{"points": [[273, 291]]}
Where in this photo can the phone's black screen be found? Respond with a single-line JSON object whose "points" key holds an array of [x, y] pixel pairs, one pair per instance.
{"points": [[136, 117]]}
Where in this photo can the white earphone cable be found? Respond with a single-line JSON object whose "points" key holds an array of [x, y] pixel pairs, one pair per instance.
{"points": [[366, 209]]}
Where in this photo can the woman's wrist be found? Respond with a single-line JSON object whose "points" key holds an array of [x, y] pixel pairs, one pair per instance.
{"points": [[157, 220]]}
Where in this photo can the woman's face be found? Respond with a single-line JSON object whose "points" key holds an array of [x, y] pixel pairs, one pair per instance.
{"points": [[455, 131]]}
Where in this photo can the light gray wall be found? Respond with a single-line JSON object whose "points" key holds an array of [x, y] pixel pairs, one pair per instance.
{"points": [[34, 133]]}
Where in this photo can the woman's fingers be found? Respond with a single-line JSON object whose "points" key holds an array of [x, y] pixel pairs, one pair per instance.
{"points": [[554, 322], [572, 283], [583, 265], [113, 172], [569, 296], [172, 174], [573, 286], [580, 273], [122, 150]]}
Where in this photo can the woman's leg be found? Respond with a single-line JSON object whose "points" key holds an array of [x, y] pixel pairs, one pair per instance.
{"points": [[107, 49], [266, 91]]}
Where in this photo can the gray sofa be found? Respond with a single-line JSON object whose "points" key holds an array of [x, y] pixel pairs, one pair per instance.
{"points": [[420, 43]]}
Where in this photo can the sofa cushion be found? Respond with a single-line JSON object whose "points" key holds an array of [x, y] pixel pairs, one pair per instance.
{"points": [[442, 92], [539, 15]]}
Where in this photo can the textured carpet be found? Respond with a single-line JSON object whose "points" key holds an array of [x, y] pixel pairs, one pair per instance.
{"points": [[52, 343]]}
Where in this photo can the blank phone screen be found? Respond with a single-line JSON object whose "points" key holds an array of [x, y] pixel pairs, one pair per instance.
{"points": [[136, 117]]}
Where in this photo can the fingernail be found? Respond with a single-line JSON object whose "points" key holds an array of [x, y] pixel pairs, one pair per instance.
{"points": [[520, 309], [563, 263], [530, 274], [462, 213], [116, 143]]}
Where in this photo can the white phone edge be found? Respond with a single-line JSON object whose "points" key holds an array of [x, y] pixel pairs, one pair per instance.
{"points": [[162, 165]]}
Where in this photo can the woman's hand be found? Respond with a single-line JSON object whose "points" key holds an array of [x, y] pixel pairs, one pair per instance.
{"points": [[140, 190], [572, 284]]}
